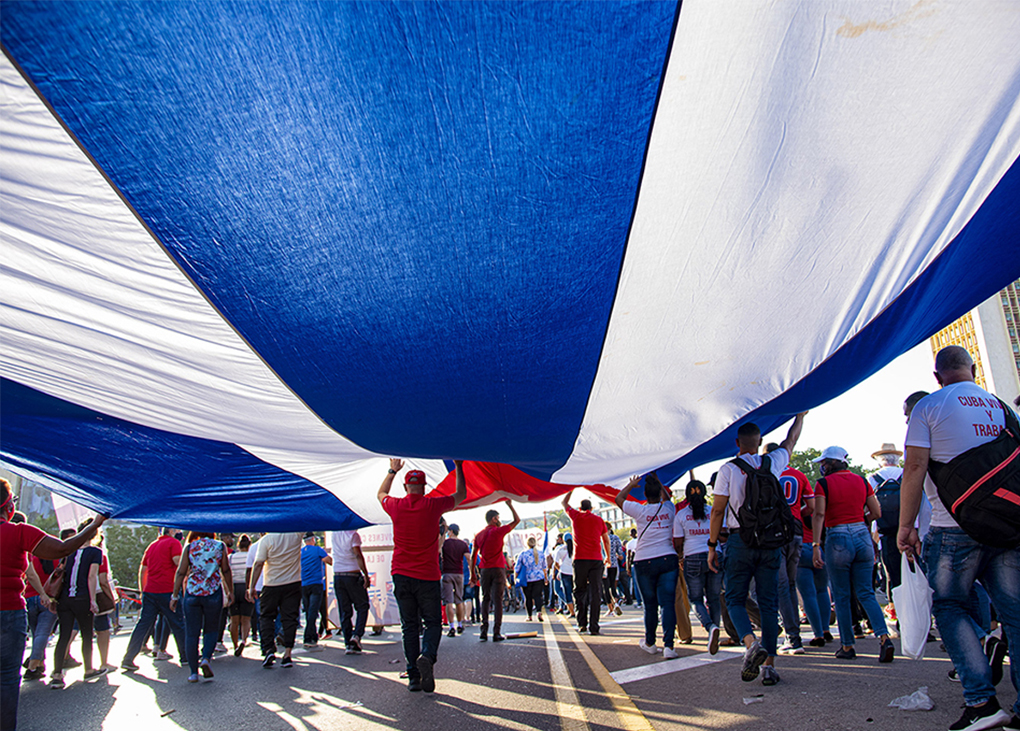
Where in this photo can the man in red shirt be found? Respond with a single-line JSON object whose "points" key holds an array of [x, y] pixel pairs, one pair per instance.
{"points": [[156, 581], [489, 544], [798, 492], [591, 544], [415, 568]]}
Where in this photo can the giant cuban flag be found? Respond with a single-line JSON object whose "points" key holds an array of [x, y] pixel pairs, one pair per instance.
{"points": [[251, 249]]}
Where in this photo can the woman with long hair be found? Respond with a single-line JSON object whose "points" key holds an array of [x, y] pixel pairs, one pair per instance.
{"points": [[240, 610], [690, 531], [77, 602], [530, 565], [655, 562], [204, 572]]}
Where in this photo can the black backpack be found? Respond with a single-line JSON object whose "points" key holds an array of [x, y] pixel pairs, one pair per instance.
{"points": [[765, 518], [888, 495], [981, 487]]}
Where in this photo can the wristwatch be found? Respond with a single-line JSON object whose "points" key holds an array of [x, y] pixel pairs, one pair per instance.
{"points": [[713, 544], [391, 471], [816, 543]]}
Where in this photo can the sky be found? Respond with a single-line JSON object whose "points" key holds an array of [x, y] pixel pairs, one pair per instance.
{"points": [[860, 421]]}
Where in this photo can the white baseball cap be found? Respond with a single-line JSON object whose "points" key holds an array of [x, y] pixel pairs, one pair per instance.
{"points": [[833, 452]]}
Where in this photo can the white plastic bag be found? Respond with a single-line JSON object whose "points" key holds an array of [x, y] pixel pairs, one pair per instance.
{"points": [[919, 701], [913, 609]]}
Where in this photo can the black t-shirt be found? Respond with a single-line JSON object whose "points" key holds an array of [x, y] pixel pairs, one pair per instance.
{"points": [[453, 555], [76, 571]]}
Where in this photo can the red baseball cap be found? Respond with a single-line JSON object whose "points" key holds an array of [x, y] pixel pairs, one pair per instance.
{"points": [[414, 477]]}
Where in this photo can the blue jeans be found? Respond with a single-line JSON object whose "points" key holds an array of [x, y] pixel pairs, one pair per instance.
{"points": [[635, 588], [657, 579], [568, 588], [850, 559], [420, 603], [311, 601], [202, 616], [153, 604], [787, 585], [742, 565], [814, 589], [704, 584], [352, 602], [40, 621], [955, 561], [13, 637]]}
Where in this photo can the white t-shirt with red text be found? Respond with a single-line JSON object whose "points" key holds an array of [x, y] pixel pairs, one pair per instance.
{"points": [[694, 533], [949, 422]]}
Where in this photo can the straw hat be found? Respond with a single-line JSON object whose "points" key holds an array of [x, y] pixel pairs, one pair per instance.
{"points": [[888, 448]]}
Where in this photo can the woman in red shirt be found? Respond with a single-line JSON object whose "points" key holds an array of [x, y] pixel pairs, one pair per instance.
{"points": [[844, 504], [17, 541]]}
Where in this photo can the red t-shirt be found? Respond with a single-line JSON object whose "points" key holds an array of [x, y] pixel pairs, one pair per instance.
{"points": [[416, 533], [845, 496], [43, 576], [588, 529], [159, 563], [489, 543], [16, 541]]}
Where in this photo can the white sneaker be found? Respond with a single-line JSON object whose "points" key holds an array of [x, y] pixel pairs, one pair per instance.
{"points": [[651, 649], [669, 653], [163, 656]]}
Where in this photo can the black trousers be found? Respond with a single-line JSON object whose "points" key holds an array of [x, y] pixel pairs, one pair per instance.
{"points": [[284, 600], [588, 592]]}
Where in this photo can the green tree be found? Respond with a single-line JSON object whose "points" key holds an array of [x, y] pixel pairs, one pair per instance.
{"points": [[802, 461], [124, 547]]}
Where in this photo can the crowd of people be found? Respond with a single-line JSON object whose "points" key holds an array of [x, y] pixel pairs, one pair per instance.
{"points": [[750, 552]]}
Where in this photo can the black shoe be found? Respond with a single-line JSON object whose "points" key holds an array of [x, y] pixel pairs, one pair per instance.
{"points": [[995, 649], [496, 638], [953, 676], [885, 655], [129, 666], [828, 637], [95, 673], [269, 661], [428, 678], [452, 632], [596, 632], [287, 662], [858, 631], [33, 674], [986, 716], [816, 642], [414, 684], [846, 655], [582, 629], [460, 629], [483, 636]]}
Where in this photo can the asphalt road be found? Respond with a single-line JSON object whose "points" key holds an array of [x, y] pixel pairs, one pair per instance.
{"points": [[558, 680]]}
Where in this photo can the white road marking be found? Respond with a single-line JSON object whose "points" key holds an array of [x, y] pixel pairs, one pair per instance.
{"points": [[651, 670]]}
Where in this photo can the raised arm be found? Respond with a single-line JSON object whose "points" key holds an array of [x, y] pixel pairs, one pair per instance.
{"points": [[621, 497], [384, 490], [794, 434], [566, 500], [460, 495], [517, 519], [50, 547]]}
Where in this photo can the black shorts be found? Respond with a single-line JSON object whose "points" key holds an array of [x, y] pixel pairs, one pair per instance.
{"points": [[241, 606]]}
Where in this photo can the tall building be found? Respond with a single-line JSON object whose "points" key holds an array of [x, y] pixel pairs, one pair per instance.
{"points": [[990, 333]]}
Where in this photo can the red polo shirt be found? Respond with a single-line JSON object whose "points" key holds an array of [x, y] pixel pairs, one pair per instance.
{"points": [[416, 533], [588, 529], [489, 542]]}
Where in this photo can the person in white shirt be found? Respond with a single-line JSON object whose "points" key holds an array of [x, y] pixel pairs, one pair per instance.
{"points": [[280, 556], [655, 561], [744, 563], [958, 417], [350, 583], [691, 529]]}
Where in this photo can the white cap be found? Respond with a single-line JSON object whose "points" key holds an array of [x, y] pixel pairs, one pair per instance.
{"points": [[833, 452]]}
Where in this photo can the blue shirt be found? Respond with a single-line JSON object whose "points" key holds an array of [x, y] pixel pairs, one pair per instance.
{"points": [[313, 569]]}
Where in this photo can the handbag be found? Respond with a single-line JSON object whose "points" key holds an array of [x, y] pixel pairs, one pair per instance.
{"points": [[105, 604], [55, 582]]}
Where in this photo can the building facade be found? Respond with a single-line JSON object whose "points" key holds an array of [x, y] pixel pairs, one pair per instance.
{"points": [[990, 333]]}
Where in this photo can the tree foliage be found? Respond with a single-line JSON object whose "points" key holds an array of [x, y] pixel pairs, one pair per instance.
{"points": [[801, 460], [124, 546]]}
